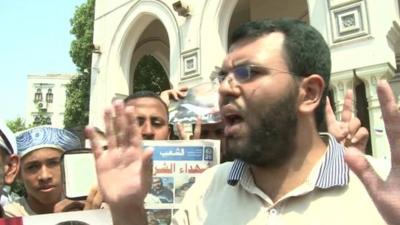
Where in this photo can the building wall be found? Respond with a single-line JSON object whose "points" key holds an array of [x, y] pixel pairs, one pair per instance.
{"points": [[56, 109], [356, 31]]}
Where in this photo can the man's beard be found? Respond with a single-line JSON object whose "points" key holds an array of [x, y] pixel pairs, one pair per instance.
{"points": [[271, 141]]}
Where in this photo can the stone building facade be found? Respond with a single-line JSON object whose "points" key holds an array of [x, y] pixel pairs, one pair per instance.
{"points": [[189, 39]]}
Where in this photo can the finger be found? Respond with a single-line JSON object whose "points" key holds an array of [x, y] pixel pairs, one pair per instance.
{"points": [[120, 123], [68, 205], [347, 107], [109, 126], [59, 206], [174, 95], [95, 141], [133, 131], [353, 126], [182, 92], [165, 97], [183, 89], [148, 167], [197, 129], [329, 115], [97, 200], [90, 197], [391, 117], [181, 131], [360, 139], [363, 169]]}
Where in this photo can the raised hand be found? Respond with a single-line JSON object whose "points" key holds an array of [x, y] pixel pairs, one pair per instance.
{"points": [[174, 94], [94, 199], [124, 171], [384, 193], [196, 133], [67, 205], [348, 130]]}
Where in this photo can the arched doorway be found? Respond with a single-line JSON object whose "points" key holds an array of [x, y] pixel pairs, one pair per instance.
{"points": [[150, 75], [247, 10], [150, 60]]}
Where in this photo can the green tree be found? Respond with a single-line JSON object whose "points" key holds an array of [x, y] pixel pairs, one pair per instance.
{"points": [[150, 75], [17, 124], [78, 90], [77, 103]]}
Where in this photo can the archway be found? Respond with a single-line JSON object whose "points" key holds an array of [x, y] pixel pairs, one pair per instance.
{"points": [[149, 75], [131, 38], [247, 10], [150, 60]]}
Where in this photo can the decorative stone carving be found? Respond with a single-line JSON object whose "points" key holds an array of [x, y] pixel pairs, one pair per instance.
{"points": [[349, 22], [191, 64]]}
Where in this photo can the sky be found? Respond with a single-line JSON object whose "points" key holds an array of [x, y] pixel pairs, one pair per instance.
{"points": [[34, 39]]}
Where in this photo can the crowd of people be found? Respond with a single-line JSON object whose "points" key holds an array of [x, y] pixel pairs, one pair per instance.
{"points": [[276, 166]]}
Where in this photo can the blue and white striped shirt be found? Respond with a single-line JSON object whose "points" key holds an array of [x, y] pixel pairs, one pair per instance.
{"points": [[333, 171]]}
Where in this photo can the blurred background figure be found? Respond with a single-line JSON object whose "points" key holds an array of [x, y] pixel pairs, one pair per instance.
{"points": [[151, 114]]}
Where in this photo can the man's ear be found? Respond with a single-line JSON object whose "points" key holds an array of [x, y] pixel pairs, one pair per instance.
{"points": [[11, 169], [310, 93]]}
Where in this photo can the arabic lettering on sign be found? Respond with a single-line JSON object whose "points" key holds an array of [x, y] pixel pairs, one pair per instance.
{"points": [[177, 153]]}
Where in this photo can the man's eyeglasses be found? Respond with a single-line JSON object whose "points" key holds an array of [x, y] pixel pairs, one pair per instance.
{"points": [[244, 73]]}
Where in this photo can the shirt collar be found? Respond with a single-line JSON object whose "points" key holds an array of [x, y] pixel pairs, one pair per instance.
{"points": [[332, 172]]}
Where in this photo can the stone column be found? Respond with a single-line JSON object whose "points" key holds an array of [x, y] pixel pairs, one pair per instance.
{"points": [[370, 76], [393, 38], [340, 83]]}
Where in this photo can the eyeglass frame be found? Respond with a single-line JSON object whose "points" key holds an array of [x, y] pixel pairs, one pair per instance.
{"points": [[249, 68]]}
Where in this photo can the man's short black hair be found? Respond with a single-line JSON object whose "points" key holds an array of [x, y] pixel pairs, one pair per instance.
{"points": [[305, 50], [146, 94]]}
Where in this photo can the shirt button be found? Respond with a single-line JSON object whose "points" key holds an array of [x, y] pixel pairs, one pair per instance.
{"points": [[273, 212]]}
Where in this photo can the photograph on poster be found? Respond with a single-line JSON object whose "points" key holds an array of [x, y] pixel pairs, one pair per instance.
{"points": [[183, 183], [159, 216], [161, 190]]}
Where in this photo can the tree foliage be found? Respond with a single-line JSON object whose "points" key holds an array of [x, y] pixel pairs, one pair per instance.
{"points": [[17, 124], [78, 90], [150, 75], [82, 29], [77, 104]]}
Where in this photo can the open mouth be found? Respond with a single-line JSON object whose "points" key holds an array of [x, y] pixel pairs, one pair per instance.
{"points": [[233, 121]]}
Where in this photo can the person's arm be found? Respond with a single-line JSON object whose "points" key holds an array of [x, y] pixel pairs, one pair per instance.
{"points": [[173, 94], [124, 171], [384, 193]]}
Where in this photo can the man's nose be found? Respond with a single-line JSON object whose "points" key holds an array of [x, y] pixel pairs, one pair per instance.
{"points": [[147, 131], [45, 174], [228, 87]]}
